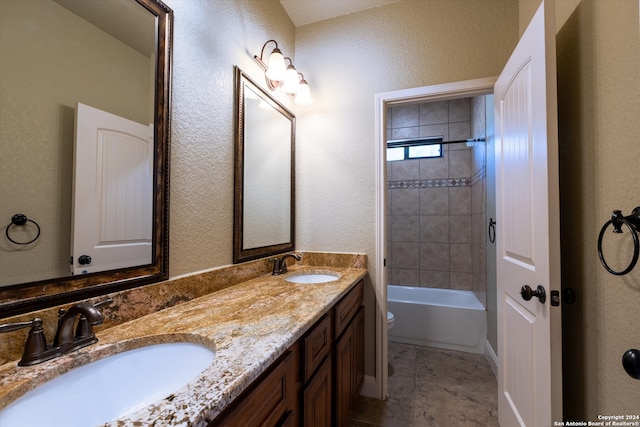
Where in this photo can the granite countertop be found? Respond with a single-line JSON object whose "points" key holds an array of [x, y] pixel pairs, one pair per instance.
{"points": [[249, 325]]}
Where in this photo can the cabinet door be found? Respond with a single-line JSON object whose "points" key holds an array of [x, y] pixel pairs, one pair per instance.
{"points": [[344, 376], [358, 338], [317, 398], [271, 401], [349, 368]]}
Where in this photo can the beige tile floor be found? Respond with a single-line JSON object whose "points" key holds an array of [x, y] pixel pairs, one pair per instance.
{"points": [[430, 387]]}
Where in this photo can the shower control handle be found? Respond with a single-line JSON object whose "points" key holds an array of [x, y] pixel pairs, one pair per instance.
{"points": [[528, 293]]}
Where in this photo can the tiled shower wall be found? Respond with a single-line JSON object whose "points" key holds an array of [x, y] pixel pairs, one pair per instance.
{"points": [[431, 201]]}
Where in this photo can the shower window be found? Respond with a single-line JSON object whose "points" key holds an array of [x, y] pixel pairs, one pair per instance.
{"points": [[407, 149]]}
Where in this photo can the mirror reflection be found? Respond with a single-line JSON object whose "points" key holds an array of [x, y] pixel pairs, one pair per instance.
{"points": [[58, 57], [264, 173]]}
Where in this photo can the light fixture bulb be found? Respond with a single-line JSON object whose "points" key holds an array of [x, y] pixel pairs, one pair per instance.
{"points": [[303, 97], [277, 69], [291, 81]]}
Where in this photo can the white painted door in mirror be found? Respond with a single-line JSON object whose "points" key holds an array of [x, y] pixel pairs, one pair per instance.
{"points": [[113, 192]]}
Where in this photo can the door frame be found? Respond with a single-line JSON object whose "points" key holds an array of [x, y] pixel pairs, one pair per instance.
{"points": [[383, 100]]}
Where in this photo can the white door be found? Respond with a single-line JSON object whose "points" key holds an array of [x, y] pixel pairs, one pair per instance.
{"points": [[528, 241], [112, 197]]}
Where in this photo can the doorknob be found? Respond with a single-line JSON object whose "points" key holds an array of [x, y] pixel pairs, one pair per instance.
{"points": [[84, 259], [631, 363], [527, 293]]}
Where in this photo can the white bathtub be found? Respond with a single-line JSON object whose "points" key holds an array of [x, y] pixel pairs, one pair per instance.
{"points": [[441, 318]]}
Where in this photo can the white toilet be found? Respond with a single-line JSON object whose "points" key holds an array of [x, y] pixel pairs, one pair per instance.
{"points": [[390, 320]]}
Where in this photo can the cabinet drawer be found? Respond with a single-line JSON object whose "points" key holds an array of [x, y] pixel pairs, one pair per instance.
{"points": [[271, 402], [316, 345], [348, 307]]}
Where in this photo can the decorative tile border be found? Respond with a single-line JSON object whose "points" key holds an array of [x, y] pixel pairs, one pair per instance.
{"points": [[430, 183]]}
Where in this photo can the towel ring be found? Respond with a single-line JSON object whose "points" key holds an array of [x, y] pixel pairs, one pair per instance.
{"points": [[632, 222], [21, 220], [492, 230]]}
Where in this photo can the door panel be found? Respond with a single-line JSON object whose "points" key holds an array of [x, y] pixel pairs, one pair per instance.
{"points": [[112, 197], [519, 351], [527, 244], [517, 166]]}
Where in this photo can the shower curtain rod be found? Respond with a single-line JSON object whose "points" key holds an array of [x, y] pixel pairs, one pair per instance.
{"points": [[467, 141], [432, 141]]}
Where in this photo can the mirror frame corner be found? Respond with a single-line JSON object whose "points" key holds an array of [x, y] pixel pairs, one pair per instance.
{"points": [[241, 254], [25, 297]]}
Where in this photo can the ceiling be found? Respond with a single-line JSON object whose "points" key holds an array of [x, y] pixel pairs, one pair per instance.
{"points": [[304, 12], [127, 21]]}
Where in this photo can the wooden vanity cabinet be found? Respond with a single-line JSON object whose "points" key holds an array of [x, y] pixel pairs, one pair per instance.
{"points": [[349, 354], [316, 382], [316, 348], [272, 400], [317, 395]]}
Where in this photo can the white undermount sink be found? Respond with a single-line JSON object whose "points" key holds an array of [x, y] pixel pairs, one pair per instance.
{"points": [[311, 278], [111, 387]]}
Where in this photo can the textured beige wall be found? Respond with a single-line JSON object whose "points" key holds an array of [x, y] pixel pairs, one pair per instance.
{"points": [[598, 98], [347, 60], [210, 37]]}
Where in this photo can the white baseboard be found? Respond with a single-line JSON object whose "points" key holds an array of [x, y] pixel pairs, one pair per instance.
{"points": [[370, 388], [492, 358]]}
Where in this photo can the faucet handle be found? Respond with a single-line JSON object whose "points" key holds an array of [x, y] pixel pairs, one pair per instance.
{"points": [[84, 328], [35, 349], [10, 327], [276, 266]]}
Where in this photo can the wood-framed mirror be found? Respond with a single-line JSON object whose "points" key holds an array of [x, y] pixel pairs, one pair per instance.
{"points": [[57, 55], [264, 181]]}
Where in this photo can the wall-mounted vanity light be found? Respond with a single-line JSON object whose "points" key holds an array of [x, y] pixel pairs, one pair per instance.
{"points": [[278, 75]]}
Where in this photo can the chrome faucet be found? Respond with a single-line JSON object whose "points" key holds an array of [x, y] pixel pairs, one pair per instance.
{"points": [[36, 349], [280, 264]]}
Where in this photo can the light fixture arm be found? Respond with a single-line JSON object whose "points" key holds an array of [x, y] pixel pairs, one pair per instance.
{"points": [[277, 80], [262, 51]]}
